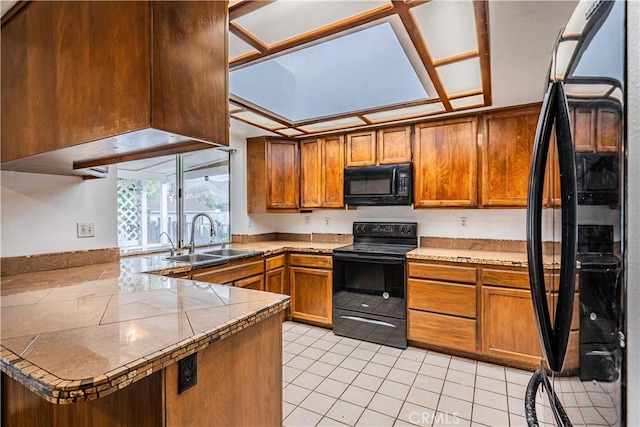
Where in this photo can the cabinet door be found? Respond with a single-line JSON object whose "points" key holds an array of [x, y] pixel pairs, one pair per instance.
{"points": [[254, 282], [61, 86], [506, 156], [361, 149], [332, 171], [282, 175], [509, 325], [608, 131], [311, 294], [274, 280], [445, 166], [584, 129], [394, 145], [310, 173]]}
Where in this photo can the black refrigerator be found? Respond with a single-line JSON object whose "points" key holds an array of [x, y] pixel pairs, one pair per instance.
{"points": [[575, 225]]}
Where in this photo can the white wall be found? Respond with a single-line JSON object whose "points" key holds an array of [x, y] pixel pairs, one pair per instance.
{"points": [[508, 224], [39, 213]]}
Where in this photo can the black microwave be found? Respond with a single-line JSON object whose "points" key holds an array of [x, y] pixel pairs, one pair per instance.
{"points": [[382, 185], [597, 176]]}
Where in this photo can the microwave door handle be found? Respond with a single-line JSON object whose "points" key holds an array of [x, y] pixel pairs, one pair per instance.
{"points": [[394, 190]]}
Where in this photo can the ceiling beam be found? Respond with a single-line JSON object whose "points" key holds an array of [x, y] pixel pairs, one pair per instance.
{"points": [[255, 109], [248, 38], [481, 10], [410, 24], [329, 30], [456, 58], [244, 7]]}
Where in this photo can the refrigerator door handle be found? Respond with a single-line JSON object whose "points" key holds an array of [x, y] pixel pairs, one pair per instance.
{"points": [[553, 338], [540, 378], [534, 223], [568, 194]]}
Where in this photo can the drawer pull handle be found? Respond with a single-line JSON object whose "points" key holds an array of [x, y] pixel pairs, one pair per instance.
{"points": [[362, 319]]}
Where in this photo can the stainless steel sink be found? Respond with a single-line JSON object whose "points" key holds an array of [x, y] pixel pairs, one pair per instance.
{"points": [[194, 258], [227, 252]]}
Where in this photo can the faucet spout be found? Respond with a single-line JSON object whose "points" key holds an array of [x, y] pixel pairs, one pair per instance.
{"points": [[173, 250], [192, 245]]}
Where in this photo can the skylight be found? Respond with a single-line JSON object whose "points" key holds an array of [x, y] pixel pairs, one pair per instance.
{"points": [[363, 70]]}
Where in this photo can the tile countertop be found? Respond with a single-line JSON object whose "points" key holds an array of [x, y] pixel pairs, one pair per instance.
{"points": [[469, 256], [85, 332], [472, 256]]}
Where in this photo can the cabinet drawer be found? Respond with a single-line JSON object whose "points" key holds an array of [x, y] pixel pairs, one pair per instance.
{"points": [[225, 274], [274, 262], [255, 282], [508, 278], [313, 261], [448, 273], [440, 297], [442, 330]]}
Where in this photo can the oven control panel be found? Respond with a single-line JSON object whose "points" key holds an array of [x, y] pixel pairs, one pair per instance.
{"points": [[385, 229]]}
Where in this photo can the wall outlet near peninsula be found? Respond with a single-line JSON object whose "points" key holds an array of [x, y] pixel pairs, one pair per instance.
{"points": [[463, 221], [86, 229]]}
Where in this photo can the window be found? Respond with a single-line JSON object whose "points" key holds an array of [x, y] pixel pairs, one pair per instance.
{"points": [[155, 204]]}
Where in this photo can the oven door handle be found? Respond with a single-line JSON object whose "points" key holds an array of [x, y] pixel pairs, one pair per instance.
{"points": [[363, 320], [368, 258]]}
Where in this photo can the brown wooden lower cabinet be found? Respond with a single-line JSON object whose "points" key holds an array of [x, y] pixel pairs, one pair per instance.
{"points": [[311, 289], [243, 273], [311, 295], [442, 330], [254, 282], [482, 311], [239, 383], [274, 280], [509, 325]]}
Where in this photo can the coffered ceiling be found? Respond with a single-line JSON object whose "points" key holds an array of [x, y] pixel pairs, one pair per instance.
{"points": [[304, 67], [460, 55]]}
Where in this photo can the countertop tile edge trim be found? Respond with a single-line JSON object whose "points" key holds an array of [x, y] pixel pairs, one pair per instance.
{"points": [[61, 391]]}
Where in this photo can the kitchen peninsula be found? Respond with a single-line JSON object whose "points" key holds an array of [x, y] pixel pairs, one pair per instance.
{"points": [[102, 345]]}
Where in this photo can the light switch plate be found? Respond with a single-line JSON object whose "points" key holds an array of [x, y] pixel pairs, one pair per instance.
{"points": [[86, 229]]}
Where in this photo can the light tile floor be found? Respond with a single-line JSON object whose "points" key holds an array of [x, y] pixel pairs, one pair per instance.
{"points": [[336, 381]]}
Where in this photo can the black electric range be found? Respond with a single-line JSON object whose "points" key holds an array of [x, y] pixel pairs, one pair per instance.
{"points": [[369, 283]]}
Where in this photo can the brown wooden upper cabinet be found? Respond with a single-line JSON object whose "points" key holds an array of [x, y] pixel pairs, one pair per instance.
{"points": [[116, 78], [322, 172], [273, 178], [385, 146], [596, 130], [445, 163], [507, 147]]}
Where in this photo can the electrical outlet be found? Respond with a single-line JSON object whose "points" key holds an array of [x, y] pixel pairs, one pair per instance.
{"points": [[86, 229], [463, 221], [187, 373], [327, 220], [307, 219]]}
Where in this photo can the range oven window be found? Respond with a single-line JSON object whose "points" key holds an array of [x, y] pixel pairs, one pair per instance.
{"points": [[370, 186], [372, 275], [373, 278]]}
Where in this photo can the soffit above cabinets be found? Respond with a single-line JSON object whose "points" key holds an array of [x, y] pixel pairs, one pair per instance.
{"points": [[299, 68]]}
